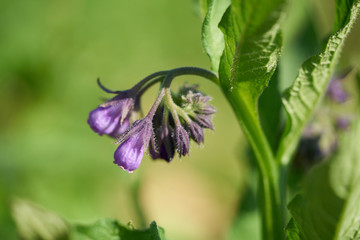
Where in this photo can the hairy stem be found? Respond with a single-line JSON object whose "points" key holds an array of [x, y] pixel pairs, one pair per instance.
{"points": [[269, 192]]}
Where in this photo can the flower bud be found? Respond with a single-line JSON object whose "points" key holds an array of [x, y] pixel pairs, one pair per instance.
{"points": [[196, 132], [182, 142]]}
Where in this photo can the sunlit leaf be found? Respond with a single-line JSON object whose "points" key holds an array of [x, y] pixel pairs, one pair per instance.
{"points": [[35, 223], [309, 86], [212, 37]]}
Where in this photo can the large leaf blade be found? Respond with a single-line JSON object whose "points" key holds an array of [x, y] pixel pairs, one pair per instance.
{"points": [[329, 206], [301, 99], [252, 47]]}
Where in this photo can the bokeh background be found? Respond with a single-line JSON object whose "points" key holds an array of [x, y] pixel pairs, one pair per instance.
{"points": [[51, 53]]}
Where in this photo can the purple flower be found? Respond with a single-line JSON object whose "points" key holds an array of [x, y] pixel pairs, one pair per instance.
{"points": [[336, 91], [112, 117], [182, 141], [134, 143]]}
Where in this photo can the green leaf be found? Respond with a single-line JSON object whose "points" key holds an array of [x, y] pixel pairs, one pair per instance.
{"points": [[329, 206], [270, 111], [202, 7], [108, 229], [212, 37], [35, 223], [252, 47], [309, 86], [292, 230]]}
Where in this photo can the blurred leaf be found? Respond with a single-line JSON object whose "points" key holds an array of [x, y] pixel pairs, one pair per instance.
{"points": [[343, 8], [329, 206], [202, 7], [246, 226], [212, 37], [309, 86], [108, 229], [248, 219], [34, 222], [292, 230]]}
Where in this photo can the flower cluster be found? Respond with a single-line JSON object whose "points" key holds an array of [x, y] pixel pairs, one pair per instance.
{"points": [[172, 121], [320, 138]]}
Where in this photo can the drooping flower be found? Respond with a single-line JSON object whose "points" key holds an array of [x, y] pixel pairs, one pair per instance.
{"points": [[113, 117], [134, 143], [168, 126]]}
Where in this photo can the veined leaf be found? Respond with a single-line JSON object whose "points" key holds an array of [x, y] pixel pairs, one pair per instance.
{"points": [[252, 47], [301, 99], [329, 206], [212, 37]]}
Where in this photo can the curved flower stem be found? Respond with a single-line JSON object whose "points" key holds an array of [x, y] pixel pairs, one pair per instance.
{"points": [[190, 71], [150, 84], [174, 108], [140, 84]]}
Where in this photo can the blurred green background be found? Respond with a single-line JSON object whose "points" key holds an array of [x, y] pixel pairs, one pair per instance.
{"points": [[51, 53]]}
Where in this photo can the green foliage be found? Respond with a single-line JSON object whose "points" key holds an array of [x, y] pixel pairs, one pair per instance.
{"points": [[108, 229], [329, 206], [35, 223], [253, 44], [310, 85], [212, 37], [252, 47]]}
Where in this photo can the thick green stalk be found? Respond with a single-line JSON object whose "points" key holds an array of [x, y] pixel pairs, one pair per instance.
{"points": [[269, 194]]}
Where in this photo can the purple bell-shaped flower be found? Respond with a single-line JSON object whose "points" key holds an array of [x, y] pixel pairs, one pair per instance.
{"points": [[134, 143], [113, 117]]}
